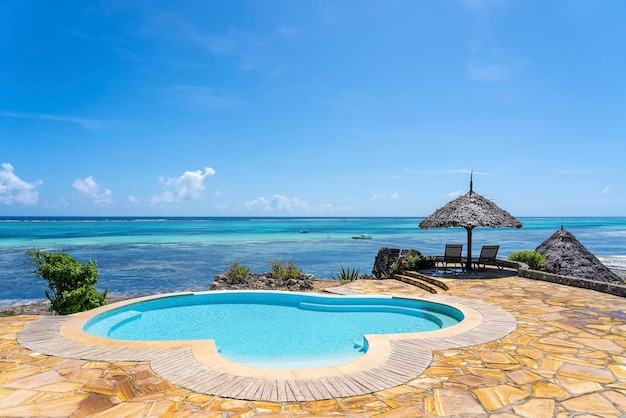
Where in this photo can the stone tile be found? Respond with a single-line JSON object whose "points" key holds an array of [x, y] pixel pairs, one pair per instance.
{"points": [[63, 407], [488, 373], [618, 399], [123, 410], [37, 380], [618, 370], [496, 397], [396, 391], [549, 390], [102, 386], [404, 412], [61, 387], [292, 407], [522, 377], [12, 398], [578, 386], [267, 406], [161, 408], [320, 407], [587, 373], [550, 364], [93, 404], [200, 398], [244, 413], [494, 357], [446, 402], [535, 408], [474, 381], [124, 391], [593, 404], [13, 375], [440, 372], [228, 405], [85, 374]]}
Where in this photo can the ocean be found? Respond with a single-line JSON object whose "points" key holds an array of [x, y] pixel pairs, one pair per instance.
{"points": [[148, 255]]}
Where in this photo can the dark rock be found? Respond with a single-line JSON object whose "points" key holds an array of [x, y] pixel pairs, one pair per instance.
{"points": [[389, 258], [383, 263]]}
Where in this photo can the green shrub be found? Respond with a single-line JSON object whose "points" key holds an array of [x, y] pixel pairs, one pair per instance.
{"points": [[413, 263], [347, 275], [71, 284], [280, 270], [534, 259], [236, 272]]}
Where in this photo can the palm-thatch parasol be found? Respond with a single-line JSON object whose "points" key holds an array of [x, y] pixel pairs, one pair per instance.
{"points": [[470, 211], [567, 256]]}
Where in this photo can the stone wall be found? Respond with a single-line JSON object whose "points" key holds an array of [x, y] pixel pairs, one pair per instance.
{"points": [[613, 289]]}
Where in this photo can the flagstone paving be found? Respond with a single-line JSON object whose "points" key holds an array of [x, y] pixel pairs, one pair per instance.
{"points": [[566, 358]]}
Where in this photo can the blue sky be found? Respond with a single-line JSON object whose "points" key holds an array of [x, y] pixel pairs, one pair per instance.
{"points": [[311, 108]]}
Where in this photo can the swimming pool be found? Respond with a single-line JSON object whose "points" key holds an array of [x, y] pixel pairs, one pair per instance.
{"points": [[278, 330]]}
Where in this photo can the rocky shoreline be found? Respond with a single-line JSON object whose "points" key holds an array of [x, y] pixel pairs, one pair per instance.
{"points": [[43, 307], [264, 281]]}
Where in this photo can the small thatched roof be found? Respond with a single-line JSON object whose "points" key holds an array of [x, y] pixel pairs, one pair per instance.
{"points": [[470, 211], [567, 256]]}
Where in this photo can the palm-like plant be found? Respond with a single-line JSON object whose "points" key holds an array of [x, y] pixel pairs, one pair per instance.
{"points": [[347, 275]]}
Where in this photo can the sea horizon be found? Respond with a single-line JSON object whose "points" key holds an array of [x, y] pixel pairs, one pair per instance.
{"points": [[140, 255]]}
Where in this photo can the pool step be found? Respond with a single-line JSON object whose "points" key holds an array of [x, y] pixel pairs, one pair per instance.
{"points": [[423, 282]]}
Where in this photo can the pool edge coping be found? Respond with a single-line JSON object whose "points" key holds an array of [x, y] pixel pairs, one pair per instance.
{"points": [[392, 359]]}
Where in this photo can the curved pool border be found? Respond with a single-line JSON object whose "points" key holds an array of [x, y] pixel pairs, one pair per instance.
{"points": [[391, 359]]}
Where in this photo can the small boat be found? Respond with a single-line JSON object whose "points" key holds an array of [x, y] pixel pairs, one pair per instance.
{"points": [[304, 231], [362, 236]]}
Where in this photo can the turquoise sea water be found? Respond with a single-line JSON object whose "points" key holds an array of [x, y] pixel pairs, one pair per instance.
{"points": [[142, 255]]}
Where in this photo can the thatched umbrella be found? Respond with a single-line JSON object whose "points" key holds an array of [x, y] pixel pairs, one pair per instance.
{"points": [[567, 256], [470, 211]]}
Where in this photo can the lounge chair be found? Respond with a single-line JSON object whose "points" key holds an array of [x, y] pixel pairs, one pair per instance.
{"points": [[487, 257], [452, 255]]}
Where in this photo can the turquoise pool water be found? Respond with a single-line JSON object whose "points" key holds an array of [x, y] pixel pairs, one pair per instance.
{"points": [[278, 330]]}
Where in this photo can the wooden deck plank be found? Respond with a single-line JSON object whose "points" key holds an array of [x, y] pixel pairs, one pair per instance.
{"points": [[268, 388], [281, 392]]}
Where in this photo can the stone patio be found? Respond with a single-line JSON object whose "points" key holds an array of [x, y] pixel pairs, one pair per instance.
{"points": [[566, 358]]}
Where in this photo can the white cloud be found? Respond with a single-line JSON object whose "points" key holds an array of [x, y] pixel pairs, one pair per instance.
{"points": [[278, 203], [285, 204], [345, 101], [89, 189], [605, 190], [213, 43], [480, 71], [85, 123], [259, 204], [189, 186], [482, 5], [15, 190], [133, 199], [222, 207], [456, 193], [202, 97], [384, 196], [288, 31], [465, 171]]}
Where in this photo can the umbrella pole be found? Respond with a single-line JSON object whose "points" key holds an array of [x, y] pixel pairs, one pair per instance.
{"points": [[468, 265]]}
